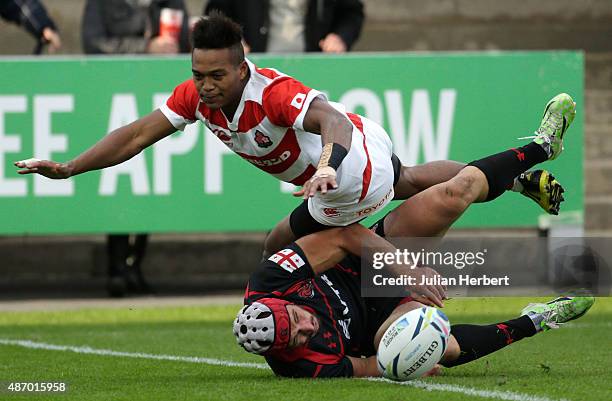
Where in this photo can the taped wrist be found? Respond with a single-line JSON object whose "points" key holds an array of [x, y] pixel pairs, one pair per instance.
{"points": [[332, 155], [324, 172]]}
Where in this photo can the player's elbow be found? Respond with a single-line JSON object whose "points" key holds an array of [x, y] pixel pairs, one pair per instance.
{"points": [[138, 139], [338, 128], [365, 367], [136, 146]]}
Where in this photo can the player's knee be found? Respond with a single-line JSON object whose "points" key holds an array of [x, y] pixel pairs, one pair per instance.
{"points": [[458, 193]]}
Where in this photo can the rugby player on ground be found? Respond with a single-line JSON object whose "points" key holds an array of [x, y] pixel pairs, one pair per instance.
{"points": [[303, 310], [343, 161]]}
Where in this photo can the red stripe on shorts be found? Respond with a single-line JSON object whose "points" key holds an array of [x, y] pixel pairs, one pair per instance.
{"points": [[367, 172]]}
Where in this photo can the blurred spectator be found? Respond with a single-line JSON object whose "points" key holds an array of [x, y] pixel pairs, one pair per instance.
{"points": [[32, 15], [126, 27], [125, 254], [293, 26], [133, 26]]}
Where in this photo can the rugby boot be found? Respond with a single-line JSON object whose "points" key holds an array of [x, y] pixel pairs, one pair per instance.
{"points": [[542, 187], [558, 311], [558, 116]]}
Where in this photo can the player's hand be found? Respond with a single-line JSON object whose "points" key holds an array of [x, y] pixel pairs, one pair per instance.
{"points": [[47, 168], [432, 294], [435, 371], [323, 180]]}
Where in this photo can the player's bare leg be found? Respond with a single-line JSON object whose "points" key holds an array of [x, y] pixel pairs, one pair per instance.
{"points": [[415, 179], [431, 212], [538, 185]]}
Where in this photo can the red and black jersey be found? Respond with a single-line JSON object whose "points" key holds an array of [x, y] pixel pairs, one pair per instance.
{"points": [[334, 297]]}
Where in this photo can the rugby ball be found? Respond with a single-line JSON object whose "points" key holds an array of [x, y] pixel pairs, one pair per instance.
{"points": [[413, 344]]}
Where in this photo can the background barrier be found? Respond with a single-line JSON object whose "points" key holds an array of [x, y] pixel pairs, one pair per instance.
{"points": [[444, 106]]}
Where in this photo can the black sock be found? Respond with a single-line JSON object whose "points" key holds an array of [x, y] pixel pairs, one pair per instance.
{"points": [[477, 341], [501, 168]]}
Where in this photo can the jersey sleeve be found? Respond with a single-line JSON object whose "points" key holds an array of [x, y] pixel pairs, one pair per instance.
{"points": [[286, 101], [306, 368], [181, 106], [278, 273]]}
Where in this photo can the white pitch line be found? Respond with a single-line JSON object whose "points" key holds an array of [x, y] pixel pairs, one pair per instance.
{"points": [[491, 394], [108, 352]]}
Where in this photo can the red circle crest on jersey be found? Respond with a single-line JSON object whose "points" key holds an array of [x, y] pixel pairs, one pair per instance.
{"points": [[263, 141], [306, 290]]}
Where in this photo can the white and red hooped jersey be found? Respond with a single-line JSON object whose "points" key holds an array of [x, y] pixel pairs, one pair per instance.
{"points": [[267, 127], [267, 131]]}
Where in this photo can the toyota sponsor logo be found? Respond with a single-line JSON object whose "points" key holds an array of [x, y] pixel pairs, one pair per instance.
{"points": [[371, 209]]}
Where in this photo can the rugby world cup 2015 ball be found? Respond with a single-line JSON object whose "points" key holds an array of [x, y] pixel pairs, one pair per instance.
{"points": [[413, 344]]}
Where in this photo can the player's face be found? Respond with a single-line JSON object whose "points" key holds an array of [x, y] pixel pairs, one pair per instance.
{"points": [[304, 325], [218, 79]]}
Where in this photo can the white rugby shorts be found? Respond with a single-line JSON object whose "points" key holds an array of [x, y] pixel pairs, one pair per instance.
{"points": [[365, 179]]}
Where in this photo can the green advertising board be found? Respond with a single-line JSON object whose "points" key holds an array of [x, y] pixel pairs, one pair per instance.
{"points": [[457, 106]]}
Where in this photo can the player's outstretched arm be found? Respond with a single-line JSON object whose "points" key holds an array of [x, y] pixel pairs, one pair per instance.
{"points": [[336, 135], [325, 249], [116, 147]]}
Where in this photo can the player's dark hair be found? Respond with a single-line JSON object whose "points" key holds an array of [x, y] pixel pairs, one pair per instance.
{"points": [[216, 31]]}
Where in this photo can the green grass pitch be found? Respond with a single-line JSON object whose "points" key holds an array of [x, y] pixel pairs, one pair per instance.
{"points": [[573, 363]]}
